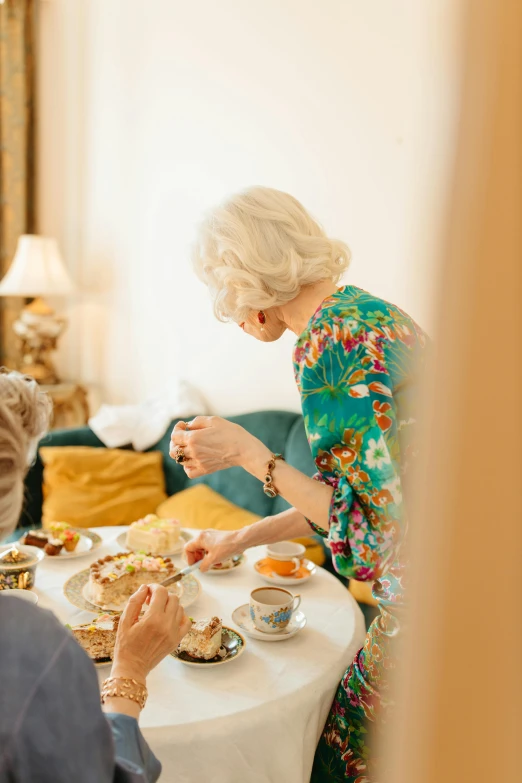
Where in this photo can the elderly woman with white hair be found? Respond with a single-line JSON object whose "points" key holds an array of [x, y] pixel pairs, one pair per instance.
{"points": [[271, 267], [52, 727]]}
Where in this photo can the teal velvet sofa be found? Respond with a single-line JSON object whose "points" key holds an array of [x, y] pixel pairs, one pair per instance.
{"points": [[283, 433]]}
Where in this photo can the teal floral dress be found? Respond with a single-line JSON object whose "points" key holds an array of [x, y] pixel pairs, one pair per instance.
{"points": [[357, 365]]}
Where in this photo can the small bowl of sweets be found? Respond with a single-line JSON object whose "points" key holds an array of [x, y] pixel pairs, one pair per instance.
{"points": [[18, 565]]}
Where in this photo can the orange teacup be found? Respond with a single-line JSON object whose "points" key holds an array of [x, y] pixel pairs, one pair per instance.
{"points": [[284, 558]]}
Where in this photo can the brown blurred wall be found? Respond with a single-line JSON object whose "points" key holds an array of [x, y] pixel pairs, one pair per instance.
{"points": [[460, 690]]}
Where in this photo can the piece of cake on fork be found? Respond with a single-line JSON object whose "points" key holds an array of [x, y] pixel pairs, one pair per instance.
{"points": [[153, 535], [98, 638], [203, 640]]}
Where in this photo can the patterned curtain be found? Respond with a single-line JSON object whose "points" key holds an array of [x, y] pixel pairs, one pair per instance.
{"points": [[17, 137]]}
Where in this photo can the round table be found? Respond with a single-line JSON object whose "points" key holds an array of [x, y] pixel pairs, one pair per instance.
{"points": [[257, 719]]}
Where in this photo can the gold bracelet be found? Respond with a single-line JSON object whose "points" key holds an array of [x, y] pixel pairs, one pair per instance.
{"points": [[268, 486], [124, 688]]}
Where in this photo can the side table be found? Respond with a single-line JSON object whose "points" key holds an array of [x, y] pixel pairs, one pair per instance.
{"points": [[70, 404]]}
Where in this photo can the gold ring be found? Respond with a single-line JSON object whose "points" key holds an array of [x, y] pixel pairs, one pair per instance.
{"points": [[179, 455]]}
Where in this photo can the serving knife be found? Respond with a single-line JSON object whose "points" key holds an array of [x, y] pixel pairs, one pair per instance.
{"points": [[176, 578]]}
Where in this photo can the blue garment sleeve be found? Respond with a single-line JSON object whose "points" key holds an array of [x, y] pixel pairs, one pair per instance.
{"points": [[132, 752], [52, 727]]}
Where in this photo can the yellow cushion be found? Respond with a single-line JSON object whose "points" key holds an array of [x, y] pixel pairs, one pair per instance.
{"points": [[362, 592], [91, 487], [201, 507]]}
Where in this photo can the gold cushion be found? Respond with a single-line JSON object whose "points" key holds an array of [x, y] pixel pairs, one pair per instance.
{"points": [[94, 487], [201, 507], [362, 592]]}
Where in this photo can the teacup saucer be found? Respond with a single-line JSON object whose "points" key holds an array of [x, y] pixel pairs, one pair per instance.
{"points": [[307, 570], [241, 617]]}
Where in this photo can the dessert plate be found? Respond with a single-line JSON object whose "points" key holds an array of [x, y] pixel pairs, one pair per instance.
{"points": [[74, 591], [237, 561], [232, 646], [184, 538], [307, 570], [241, 617], [88, 542]]}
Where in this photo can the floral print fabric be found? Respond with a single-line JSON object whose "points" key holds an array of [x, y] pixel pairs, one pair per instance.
{"points": [[356, 366]]}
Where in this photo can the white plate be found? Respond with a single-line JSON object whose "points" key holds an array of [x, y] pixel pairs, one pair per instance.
{"points": [[241, 617], [83, 547], [102, 664], [25, 595], [184, 538], [75, 585], [176, 589], [238, 561], [277, 579]]}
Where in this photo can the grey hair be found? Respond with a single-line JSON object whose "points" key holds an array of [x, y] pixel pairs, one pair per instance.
{"points": [[24, 418], [259, 249]]}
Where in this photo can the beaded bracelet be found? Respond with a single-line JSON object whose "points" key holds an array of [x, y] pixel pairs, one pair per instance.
{"points": [[124, 688], [268, 486]]}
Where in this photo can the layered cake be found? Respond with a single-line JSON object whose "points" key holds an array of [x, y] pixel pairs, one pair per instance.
{"points": [[115, 578], [98, 638], [153, 535], [37, 538], [203, 640]]}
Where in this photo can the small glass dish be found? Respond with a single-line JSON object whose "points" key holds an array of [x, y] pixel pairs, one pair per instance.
{"points": [[18, 569]]}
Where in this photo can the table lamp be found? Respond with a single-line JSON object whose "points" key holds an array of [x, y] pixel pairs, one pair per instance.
{"points": [[37, 270]]}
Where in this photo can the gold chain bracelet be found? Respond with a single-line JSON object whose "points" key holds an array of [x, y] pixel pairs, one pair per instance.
{"points": [[268, 486], [124, 688]]}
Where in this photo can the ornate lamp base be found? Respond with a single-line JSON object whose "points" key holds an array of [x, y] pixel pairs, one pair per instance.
{"points": [[38, 329]]}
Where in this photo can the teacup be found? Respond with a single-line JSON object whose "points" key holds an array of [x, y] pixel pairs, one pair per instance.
{"points": [[284, 558], [271, 608]]}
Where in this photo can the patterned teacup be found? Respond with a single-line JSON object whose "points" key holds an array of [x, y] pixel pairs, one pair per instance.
{"points": [[271, 608]]}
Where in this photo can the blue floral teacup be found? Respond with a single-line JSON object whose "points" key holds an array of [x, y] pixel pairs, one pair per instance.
{"points": [[271, 608]]}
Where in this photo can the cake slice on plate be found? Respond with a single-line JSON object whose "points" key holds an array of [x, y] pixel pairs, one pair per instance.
{"points": [[203, 640], [115, 578], [98, 638], [153, 535]]}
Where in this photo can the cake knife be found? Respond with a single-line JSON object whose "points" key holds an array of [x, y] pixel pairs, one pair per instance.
{"points": [[171, 579]]}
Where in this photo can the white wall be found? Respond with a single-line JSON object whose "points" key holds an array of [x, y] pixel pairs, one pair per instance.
{"points": [[153, 111]]}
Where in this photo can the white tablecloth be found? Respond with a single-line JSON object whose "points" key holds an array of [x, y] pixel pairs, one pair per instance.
{"points": [[254, 720]]}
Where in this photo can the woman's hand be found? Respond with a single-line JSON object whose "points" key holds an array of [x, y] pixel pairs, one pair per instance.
{"points": [[210, 444], [212, 546], [143, 641]]}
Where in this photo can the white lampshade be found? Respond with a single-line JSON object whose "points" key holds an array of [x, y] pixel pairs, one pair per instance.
{"points": [[37, 270]]}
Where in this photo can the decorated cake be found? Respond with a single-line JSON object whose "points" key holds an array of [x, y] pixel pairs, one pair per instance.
{"points": [[57, 528], [115, 578], [98, 638], [203, 640], [153, 535], [70, 539]]}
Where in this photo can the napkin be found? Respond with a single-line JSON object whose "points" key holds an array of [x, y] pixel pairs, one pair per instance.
{"points": [[144, 424]]}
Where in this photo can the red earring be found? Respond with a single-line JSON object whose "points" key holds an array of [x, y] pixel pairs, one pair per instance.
{"points": [[261, 317]]}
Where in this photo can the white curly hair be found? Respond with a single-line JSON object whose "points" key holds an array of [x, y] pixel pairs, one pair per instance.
{"points": [[24, 417], [259, 249]]}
